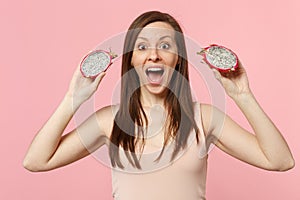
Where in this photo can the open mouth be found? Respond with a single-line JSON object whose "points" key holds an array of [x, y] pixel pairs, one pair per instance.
{"points": [[154, 74]]}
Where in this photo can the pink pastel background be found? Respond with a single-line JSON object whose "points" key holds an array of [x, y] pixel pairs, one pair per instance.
{"points": [[43, 41]]}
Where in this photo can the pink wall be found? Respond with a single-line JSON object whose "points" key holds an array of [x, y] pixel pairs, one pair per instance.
{"points": [[41, 44]]}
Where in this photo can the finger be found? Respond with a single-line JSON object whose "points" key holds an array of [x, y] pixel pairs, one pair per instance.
{"points": [[224, 79], [78, 68], [217, 74], [240, 63], [98, 79], [77, 75], [241, 66]]}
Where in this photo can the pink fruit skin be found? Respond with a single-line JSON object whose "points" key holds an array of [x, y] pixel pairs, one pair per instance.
{"points": [[95, 51], [221, 70]]}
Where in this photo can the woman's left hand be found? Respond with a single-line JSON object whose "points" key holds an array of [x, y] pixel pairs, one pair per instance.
{"points": [[235, 83]]}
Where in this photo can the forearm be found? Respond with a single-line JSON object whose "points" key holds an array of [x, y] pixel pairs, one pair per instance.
{"points": [[268, 136], [48, 138]]}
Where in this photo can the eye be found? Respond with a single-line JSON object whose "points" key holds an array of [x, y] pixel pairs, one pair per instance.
{"points": [[142, 47], [164, 45]]}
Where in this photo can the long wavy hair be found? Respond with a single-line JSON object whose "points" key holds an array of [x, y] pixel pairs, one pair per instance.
{"points": [[128, 120]]}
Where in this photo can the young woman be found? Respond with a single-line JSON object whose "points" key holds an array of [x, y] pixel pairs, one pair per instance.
{"points": [[157, 136]]}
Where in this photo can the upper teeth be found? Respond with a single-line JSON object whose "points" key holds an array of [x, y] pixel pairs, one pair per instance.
{"points": [[154, 69]]}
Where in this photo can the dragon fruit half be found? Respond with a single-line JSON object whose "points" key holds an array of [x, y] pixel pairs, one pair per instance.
{"points": [[220, 58], [96, 62]]}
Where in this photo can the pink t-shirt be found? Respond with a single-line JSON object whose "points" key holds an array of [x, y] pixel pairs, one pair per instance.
{"points": [[183, 178]]}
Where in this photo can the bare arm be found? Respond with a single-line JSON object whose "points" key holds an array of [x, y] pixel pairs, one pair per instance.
{"points": [[49, 149], [266, 148]]}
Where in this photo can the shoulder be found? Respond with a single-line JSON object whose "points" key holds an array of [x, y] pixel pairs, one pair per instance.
{"points": [[107, 111], [105, 117], [211, 116]]}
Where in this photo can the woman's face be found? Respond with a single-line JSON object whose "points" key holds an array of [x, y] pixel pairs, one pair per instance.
{"points": [[155, 56]]}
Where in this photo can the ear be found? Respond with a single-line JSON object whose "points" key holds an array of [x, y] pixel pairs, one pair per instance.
{"points": [[131, 64], [178, 62]]}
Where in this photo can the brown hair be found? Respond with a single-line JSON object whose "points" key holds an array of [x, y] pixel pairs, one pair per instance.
{"points": [[178, 101]]}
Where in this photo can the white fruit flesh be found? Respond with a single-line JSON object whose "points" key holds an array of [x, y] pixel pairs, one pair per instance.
{"points": [[95, 63], [221, 57]]}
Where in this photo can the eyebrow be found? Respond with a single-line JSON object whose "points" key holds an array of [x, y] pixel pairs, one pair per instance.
{"points": [[163, 37]]}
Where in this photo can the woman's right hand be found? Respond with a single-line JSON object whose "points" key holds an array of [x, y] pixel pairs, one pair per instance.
{"points": [[82, 88], [49, 149]]}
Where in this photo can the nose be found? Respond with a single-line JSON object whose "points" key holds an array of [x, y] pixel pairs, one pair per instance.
{"points": [[153, 55]]}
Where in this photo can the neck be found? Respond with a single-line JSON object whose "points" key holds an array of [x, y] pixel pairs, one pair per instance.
{"points": [[149, 99]]}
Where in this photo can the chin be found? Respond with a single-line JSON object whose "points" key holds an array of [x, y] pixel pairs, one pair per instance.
{"points": [[156, 89]]}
